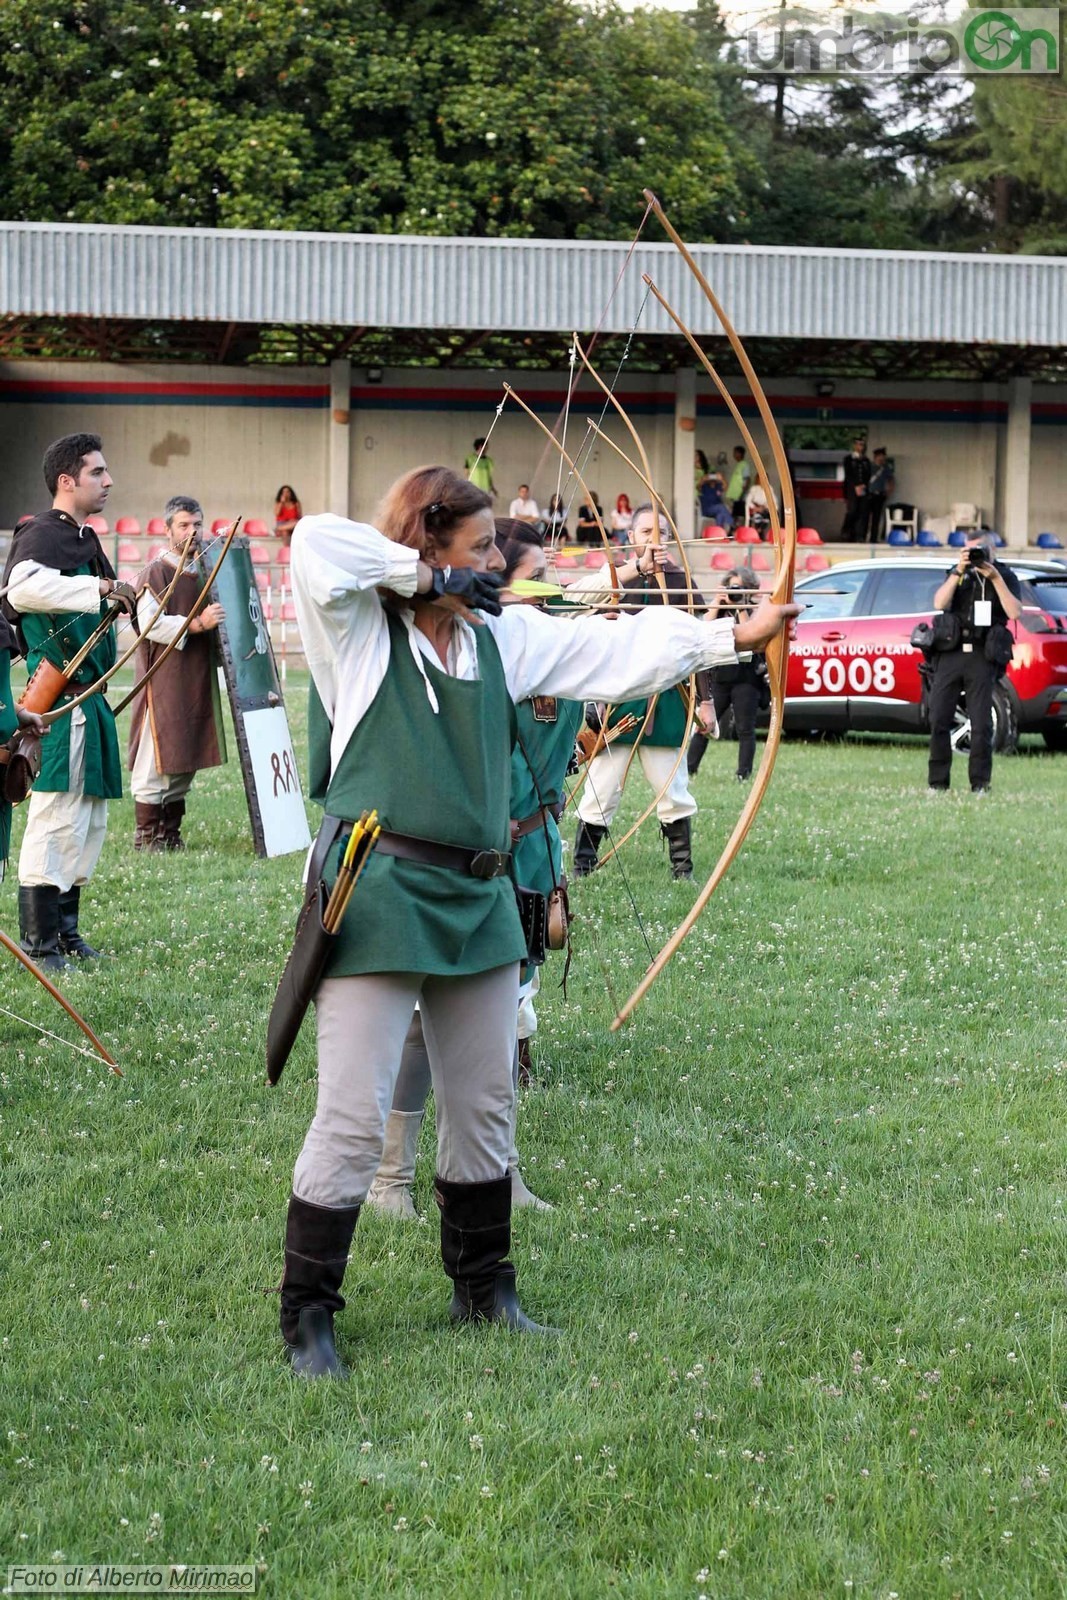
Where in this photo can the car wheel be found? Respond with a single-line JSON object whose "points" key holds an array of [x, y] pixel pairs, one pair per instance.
{"points": [[1055, 737], [1005, 724]]}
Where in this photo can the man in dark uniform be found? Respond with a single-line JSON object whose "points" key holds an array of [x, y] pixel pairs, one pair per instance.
{"points": [[857, 477], [176, 721], [62, 585], [983, 597]]}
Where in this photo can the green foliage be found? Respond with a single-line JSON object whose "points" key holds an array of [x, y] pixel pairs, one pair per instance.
{"points": [[1014, 159], [533, 117]]}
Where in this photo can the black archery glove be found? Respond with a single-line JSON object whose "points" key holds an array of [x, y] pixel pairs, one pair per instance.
{"points": [[477, 590]]}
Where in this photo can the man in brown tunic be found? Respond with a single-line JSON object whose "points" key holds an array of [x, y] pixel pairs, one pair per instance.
{"points": [[176, 725]]}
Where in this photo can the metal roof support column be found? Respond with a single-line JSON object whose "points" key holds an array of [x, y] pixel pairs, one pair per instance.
{"points": [[1017, 464], [685, 414], [338, 449]]}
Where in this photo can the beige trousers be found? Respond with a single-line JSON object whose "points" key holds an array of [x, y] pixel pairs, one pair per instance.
{"points": [[469, 1028], [147, 784], [603, 785], [64, 832]]}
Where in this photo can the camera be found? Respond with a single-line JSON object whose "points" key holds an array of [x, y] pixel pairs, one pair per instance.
{"points": [[978, 555]]}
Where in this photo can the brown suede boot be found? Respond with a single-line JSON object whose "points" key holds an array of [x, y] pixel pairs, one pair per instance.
{"points": [[149, 831], [173, 812]]}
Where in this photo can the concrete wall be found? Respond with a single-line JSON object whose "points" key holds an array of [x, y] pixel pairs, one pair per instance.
{"points": [[231, 436]]}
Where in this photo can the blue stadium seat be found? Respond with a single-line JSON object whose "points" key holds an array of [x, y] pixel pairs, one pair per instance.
{"points": [[898, 536], [957, 538], [998, 539], [1049, 541], [928, 539]]}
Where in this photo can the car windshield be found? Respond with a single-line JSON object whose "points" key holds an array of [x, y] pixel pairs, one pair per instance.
{"points": [[902, 591], [832, 594], [1049, 597]]}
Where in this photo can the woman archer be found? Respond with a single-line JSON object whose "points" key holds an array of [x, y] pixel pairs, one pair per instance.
{"points": [[416, 667]]}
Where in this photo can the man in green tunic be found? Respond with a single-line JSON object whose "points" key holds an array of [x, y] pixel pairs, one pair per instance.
{"points": [[61, 584]]}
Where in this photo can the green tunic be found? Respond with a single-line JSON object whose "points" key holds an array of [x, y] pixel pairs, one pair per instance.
{"points": [[58, 637], [668, 720], [547, 730], [668, 724], [441, 776], [8, 725]]}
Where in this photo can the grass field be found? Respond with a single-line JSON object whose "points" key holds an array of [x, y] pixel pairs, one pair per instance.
{"points": [[808, 1246]]}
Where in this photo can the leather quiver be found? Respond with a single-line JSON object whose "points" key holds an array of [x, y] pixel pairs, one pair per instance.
{"points": [[44, 688]]}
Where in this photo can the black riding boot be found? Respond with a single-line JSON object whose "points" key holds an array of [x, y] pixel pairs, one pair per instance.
{"points": [[679, 846], [475, 1239], [587, 842], [173, 812], [39, 924], [317, 1239], [70, 940]]}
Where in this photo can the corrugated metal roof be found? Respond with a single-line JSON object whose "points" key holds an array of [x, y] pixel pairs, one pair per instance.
{"points": [[521, 285]]}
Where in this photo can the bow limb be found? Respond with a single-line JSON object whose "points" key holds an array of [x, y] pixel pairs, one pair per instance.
{"points": [[590, 502], [194, 610], [777, 652], [20, 955], [731, 405], [94, 688], [658, 508]]}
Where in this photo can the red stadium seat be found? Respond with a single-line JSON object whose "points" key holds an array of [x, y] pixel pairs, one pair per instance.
{"points": [[128, 526], [566, 561], [129, 553], [156, 551], [746, 536], [817, 562], [262, 580], [711, 530], [220, 525], [259, 555], [760, 561], [594, 559], [283, 556], [288, 612], [156, 528], [98, 525], [809, 536], [255, 529], [722, 561]]}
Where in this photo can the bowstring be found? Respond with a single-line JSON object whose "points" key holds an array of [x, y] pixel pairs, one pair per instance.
{"points": [[76, 616], [37, 1028]]}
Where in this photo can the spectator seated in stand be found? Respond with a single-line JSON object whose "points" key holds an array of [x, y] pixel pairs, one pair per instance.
{"points": [[713, 506]]}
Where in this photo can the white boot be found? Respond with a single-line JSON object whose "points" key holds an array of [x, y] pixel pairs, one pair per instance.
{"points": [[520, 1195], [392, 1188]]}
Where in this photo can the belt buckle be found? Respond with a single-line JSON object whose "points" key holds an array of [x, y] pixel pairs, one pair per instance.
{"points": [[488, 864]]}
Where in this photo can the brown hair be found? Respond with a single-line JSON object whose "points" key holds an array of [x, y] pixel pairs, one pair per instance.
{"points": [[424, 507], [513, 539]]}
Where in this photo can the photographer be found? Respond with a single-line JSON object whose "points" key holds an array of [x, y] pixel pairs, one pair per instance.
{"points": [[972, 648], [739, 687]]}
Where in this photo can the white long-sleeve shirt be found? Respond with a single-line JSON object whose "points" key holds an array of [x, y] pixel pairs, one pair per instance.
{"points": [[338, 565], [35, 588]]}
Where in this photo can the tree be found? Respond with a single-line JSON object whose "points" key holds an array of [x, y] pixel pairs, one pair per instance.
{"points": [[519, 117]]}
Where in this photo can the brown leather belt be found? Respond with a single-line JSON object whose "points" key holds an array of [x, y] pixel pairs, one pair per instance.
{"points": [[430, 853], [530, 824]]}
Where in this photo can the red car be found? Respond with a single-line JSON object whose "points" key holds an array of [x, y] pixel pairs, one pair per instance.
{"points": [[853, 666]]}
